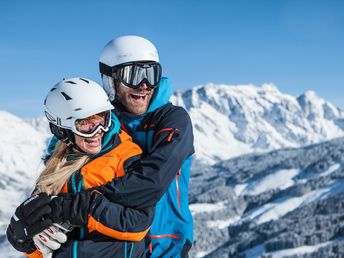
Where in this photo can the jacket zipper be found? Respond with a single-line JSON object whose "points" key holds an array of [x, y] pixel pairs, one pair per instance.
{"points": [[159, 237], [77, 188], [178, 189], [170, 135]]}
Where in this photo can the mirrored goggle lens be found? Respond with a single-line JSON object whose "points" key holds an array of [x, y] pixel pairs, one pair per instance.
{"points": [[134, 74], [90, 125]]}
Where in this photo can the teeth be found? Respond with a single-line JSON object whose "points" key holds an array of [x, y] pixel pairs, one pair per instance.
{"points": [[92, 140], [139, 95]]}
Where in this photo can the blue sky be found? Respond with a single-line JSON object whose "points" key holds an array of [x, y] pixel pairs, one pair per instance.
{"points": [[297, 45]]}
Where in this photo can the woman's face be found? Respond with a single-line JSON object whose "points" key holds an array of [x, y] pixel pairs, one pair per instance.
{"points": [[90, 145]]}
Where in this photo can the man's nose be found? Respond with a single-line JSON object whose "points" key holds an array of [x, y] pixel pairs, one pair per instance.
{"points": [[143, 85]]}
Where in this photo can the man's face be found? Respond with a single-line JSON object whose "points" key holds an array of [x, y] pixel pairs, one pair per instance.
{"points": [[136, 101]]}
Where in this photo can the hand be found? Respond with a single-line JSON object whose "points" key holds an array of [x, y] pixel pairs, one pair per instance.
{"points": [[29, 219], [50, 239], [71, 207]]}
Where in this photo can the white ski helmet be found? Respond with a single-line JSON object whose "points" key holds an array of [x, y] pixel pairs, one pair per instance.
{"points": [[73, 99], [124, 49]]}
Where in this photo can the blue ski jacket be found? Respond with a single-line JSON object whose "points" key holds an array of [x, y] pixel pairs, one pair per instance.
{"points": [[161, 176]]}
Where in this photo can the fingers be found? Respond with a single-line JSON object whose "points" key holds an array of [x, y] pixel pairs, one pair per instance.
{"points": [[49, 240], [43, 240], [48, 255], [55, 233], [40, 246]]}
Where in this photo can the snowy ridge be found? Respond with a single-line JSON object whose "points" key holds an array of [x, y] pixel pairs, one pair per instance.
{"points": [[22, 145], [233, 120]]}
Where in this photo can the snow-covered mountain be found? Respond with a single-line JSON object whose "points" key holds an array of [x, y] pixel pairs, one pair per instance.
{"points": [[233, 120], [229, 121], [285, 203], [22, 144]]}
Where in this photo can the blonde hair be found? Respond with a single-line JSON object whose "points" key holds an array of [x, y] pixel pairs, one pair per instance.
{"points": [[59, 168]]}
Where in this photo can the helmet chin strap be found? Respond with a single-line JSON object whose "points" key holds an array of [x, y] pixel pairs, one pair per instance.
{"points": [[71, 144], [66, 136], [75, 146], [70, 141]]}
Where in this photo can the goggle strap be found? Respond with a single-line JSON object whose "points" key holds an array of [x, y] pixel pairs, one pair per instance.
{"points": [[105, 69]]}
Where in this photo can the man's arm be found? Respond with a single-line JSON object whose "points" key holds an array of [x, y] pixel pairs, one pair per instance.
{"points": [[119, 222], [147, 179]]}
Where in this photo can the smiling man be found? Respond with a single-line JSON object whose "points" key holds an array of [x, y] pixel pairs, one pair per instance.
{"points": [[131, 75], [135, 100]]}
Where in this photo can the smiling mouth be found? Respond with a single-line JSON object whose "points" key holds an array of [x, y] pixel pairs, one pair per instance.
{"points": [[139, 96], [93, 141]]}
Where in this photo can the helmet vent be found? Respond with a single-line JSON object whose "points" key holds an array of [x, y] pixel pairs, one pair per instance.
{"points": [[71, 82], [69, 118], [66, 96], [84, 80], [52, 89], [49, 117], [77, 109]]}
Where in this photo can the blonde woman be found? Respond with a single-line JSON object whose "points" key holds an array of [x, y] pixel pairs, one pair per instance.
{"points": [[91, 151]]}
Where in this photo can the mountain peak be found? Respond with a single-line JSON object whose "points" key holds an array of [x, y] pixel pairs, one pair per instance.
{"points": [[232, 120], [269, 87]]}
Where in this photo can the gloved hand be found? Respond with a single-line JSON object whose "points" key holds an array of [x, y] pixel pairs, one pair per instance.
{"points": [[71, 207], [30, 218], [50, 239]]}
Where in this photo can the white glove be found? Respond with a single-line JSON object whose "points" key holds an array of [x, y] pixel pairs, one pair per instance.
{"points": [[50, 239]]}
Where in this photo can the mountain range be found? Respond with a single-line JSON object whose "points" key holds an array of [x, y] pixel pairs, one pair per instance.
{"points": [[233, 120]]}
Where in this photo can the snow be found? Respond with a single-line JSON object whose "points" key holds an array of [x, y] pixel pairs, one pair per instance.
{"points": [[231, 120], [330, 170], [327, 172], [221, 224], [206, 207], [280, 207], [281, 179], [239, 188], [302, 249], [258, 250], [20, 152], [201, 254]]}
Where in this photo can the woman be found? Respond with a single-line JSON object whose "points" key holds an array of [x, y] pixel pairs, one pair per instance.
{"points": [[91, 151]]}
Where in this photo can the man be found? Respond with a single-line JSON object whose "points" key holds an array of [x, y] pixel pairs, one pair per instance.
{"points": [[131, 75]]}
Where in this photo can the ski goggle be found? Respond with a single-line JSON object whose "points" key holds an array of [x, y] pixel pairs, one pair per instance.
{"points": [[89, 126], [134, 74]]}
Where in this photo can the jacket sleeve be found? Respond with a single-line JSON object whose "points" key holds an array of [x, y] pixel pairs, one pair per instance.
{"points": [[113, 219], [147, 179], [119, 222]]}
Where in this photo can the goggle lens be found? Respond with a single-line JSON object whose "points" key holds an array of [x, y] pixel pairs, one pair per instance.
{"points": [[132, 75], [87, 127]]}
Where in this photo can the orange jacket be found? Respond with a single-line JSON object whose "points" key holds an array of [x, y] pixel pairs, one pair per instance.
{"points": [[130, 224]]}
